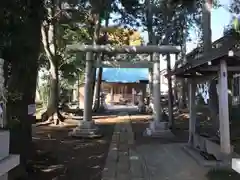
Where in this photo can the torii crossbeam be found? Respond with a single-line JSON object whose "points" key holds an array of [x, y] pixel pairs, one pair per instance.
{"points": [[149, 49]]}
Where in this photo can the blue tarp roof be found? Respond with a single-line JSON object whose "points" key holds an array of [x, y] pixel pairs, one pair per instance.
{"points": [[126, 75]]}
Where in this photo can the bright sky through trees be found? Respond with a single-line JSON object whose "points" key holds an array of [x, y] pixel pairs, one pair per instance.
{"points": [[219, 19]]}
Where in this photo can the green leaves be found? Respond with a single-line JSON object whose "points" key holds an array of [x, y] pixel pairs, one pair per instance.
{"points": [[236, 24], [72, 64], [66, 23]]}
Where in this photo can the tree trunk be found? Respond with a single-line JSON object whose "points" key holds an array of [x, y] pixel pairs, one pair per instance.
{"points": [[182, 98], [49, 36], [96, 34], [21, 74], [150, 79], [99, 79], [53, 97], [175, 91], [98, 87], [207, 45], [149, 17], [38, 94], [183, 87], [52, 112]]}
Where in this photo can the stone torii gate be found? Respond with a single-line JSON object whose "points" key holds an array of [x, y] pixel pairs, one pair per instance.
{"points": [[86, 127]]}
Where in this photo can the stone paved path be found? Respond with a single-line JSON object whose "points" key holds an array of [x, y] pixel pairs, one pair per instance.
{"points": [[122, 163], [125, 161], [170, 162]]}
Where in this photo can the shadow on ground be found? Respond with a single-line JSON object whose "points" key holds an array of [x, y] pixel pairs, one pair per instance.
{"points": [[181, 136], [59, 156]]}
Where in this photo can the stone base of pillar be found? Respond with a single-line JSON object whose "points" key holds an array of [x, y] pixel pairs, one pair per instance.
{"points": [[86, 129], [201, 160], [158, 129]]}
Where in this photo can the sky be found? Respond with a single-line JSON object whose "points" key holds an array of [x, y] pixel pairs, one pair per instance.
{"points": [[219, 18]]}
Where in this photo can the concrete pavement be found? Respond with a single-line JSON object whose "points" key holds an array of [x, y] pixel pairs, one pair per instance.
{"points": [[126, 161]]}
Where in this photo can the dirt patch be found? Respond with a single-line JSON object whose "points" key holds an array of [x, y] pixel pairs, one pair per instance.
{"points": [[60, 157]]}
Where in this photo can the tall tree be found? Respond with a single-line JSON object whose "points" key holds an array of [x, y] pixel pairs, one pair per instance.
{"points": [[100, 70], [61, 26], [104, 13], [96, 8], [21, 37], [168, 16], [149, 24], [207, 46], [104, 10]]}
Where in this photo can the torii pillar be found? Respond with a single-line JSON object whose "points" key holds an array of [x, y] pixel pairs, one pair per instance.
{"points": [[158, 127], [86, 127]]}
